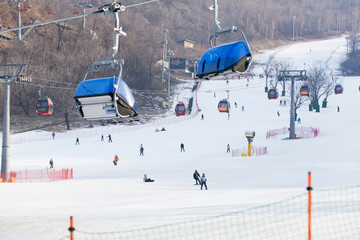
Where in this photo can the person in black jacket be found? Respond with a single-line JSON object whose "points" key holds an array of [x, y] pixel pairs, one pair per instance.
{"points": [[196, 176]]}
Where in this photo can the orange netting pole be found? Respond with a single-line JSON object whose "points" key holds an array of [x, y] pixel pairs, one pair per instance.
{"points": [[309, 189], [71, 228]]}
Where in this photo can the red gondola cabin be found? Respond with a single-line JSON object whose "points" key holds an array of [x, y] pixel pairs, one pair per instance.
{"points": [[44, 106], [304, 91], [224, 106], [273, 94], [338, 89], [180, 109]]}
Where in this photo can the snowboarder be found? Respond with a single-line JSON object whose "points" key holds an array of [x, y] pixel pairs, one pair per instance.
{"points": [[141, 150], [203, 181], [196, 176], [109, 137], [51, 162], [53, 135], [146, 179], [163, 129], [299, 121], [102, 138], [228, 148], [182, 147], [77, 141], [116, 159]]}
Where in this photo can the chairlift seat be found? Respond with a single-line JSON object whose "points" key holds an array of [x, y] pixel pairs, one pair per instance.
{"points": [[230, 57], [98, 99]]}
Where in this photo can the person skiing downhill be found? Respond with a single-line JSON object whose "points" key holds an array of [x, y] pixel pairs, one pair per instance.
{"points": [[53, 135], [116, 159], [109, 137], [228, 148], [51, 162], [196, 176], [203, 181], [141, 150], [77, 141], [182, 147]]}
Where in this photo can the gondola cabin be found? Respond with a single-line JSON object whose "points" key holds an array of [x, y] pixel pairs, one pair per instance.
{"points": [[78, 12], [98, 99], [180, 109], [231, 57], [224, 106], [338, 89], [44, 106], [273, 94], [55, 11], [304, 91]]}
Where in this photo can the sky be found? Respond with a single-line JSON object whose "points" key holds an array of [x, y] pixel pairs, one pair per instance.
{"points": [[103, 197]]}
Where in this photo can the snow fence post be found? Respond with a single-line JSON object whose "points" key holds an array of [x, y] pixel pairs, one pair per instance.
{"points": [[309, 189], [71, 228]]}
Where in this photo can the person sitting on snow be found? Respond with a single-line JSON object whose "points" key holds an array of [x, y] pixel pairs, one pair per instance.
{"points": [[146, 179]]}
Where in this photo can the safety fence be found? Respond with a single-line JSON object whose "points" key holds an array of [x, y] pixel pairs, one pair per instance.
{"points": [[105, 130], [255, 151], [300, 132], [324, 214], [43, 175]]}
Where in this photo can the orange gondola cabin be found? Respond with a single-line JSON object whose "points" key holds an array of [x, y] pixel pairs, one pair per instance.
{"points": [[44, 106]]}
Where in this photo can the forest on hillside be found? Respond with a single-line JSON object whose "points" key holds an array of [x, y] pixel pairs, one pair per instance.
{"points": [[58, 56]]}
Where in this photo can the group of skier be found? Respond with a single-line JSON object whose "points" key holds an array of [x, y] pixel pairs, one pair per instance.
{"points": [[200, 180]]}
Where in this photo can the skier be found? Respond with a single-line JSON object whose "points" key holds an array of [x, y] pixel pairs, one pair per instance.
{"points": [[109, 137], [53, 135], [242, 108], [235, 105], [141, 150], [203, 181], [102, 138], [278, 113], [51, 162], [196, 176], [228, 148], [146, 179], [182, 148], [116, 159], [214, 94], [338, 108], [228, 115], [202, 116], [77, 141]]}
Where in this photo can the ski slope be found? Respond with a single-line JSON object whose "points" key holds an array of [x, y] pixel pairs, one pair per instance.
{"points": [[103, 197]]}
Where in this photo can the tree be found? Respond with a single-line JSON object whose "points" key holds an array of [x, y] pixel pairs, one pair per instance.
{"points": [[320, 82]]}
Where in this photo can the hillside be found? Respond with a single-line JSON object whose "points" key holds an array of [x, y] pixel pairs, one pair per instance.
{"points": [[58, 55]]}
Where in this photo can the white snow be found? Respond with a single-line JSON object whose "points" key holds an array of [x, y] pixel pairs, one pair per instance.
{"points": [[103, 197]]}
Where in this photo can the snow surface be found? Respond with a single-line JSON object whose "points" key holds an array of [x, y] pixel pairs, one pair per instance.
{"points": [[103, 197]]}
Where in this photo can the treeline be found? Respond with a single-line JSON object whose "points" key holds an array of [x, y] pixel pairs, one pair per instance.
{"points": [[58, 56]]}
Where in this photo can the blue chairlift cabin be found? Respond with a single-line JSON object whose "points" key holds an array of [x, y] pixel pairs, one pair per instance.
{"points": [[100, 99], [230, 57]]}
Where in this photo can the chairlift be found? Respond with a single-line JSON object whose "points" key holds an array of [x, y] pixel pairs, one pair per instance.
{"points": [[226, 58], [338, 89], [304, 90], [180, 109], [224, 106], [107, 97], [104, 98], [273, 94], [44, 106]]}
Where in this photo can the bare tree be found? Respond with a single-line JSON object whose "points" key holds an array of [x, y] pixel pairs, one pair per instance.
{"points": [[320, 83]]}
